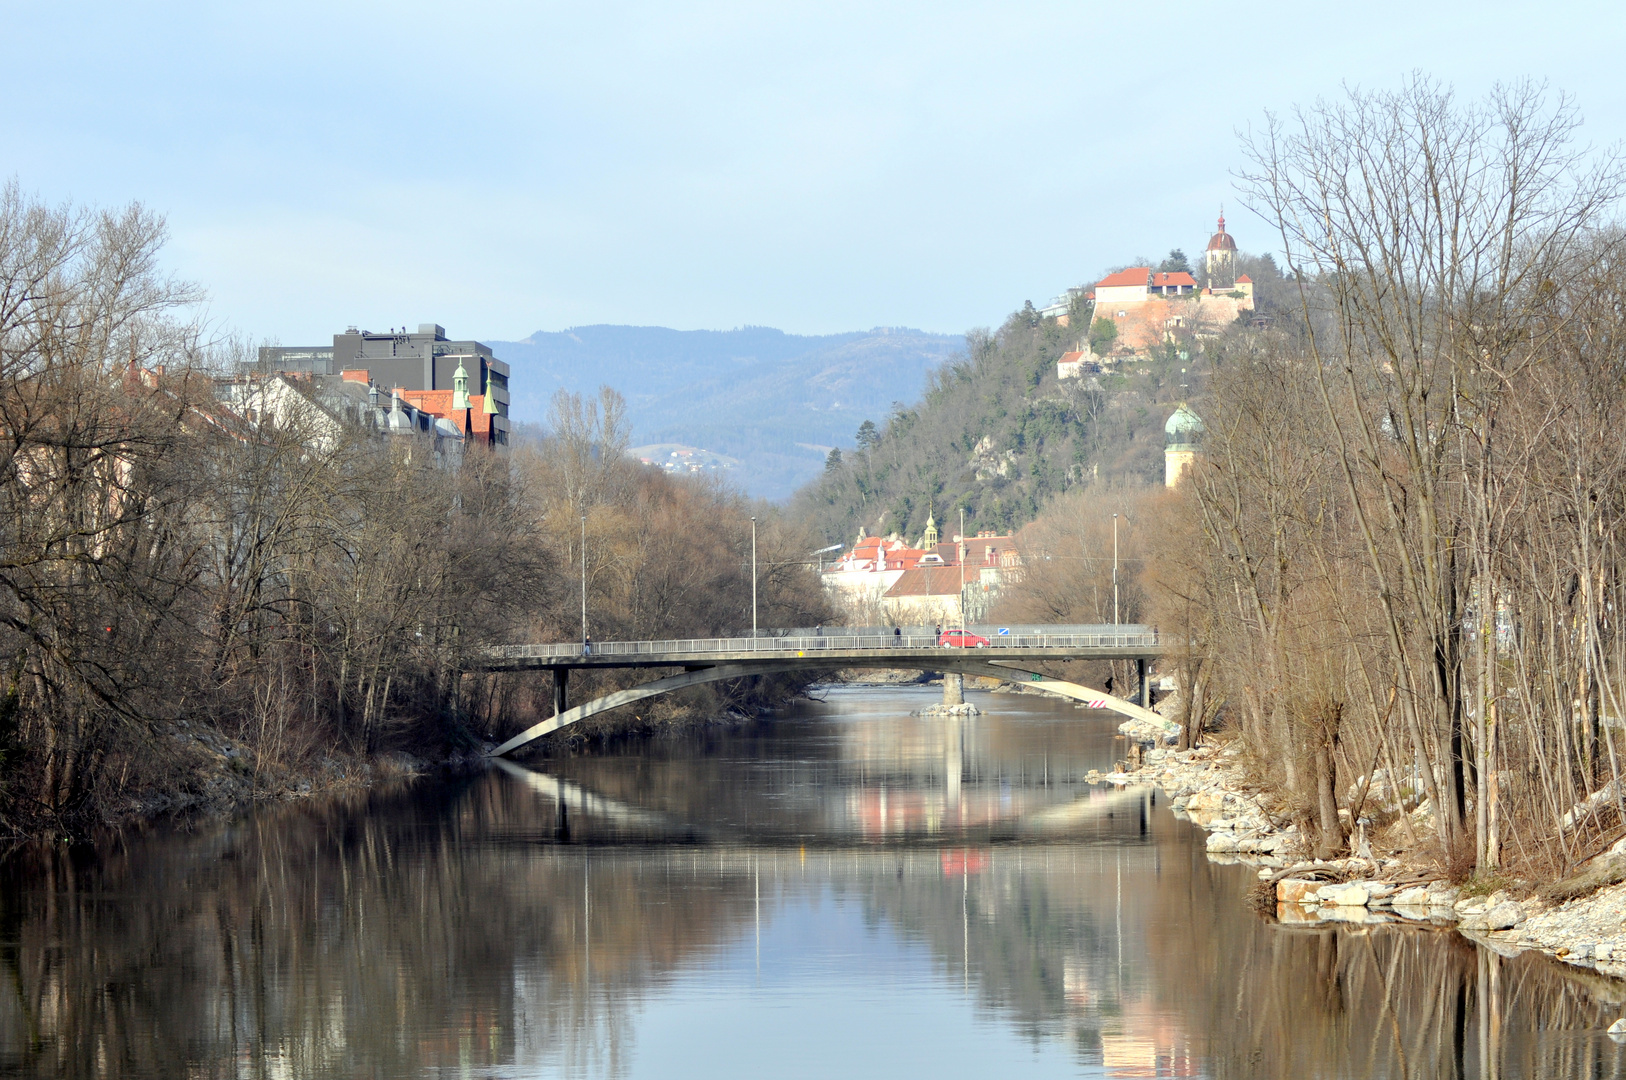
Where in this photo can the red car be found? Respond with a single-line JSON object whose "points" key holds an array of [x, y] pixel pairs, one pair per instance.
{"points": [[961, 639]]}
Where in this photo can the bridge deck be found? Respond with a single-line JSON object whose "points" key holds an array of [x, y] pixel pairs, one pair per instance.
{"points": [[1132, 643]]}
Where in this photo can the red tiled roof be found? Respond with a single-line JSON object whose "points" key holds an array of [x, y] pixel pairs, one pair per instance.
{"points": [[1244, 280], [360, 375], [1068, 358], [479, 419], [927, 581], [438, 402], [1179, 277], [1135, 275]]}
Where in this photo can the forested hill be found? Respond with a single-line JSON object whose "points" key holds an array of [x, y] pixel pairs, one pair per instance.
{"points": [[998, 434], [776, 401]]}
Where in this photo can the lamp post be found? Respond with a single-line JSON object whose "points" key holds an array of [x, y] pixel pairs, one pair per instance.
{"points": [[753, 581], [961, 561], [1114, 569], [584, 581]]}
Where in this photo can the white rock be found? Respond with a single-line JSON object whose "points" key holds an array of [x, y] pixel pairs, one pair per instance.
{"points": [[1603, 952], [1618, 1027], [1473, 905], [1416, 896], [1344, 895], [1221, 841]]}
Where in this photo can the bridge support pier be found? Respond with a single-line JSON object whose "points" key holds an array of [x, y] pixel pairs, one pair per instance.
{"points": [[561, 677], [953, 688], [1145, 691]]}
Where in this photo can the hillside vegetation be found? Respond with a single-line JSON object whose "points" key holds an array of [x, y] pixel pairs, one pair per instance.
{"points": [[997, 434]]}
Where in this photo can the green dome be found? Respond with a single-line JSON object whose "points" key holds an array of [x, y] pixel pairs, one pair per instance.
{"points": [[1185, 428]]}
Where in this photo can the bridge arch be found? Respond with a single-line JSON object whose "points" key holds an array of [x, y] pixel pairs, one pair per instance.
{"points": [[695, 677]]}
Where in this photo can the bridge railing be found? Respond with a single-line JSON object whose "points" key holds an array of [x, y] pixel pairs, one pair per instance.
{"points": [[838, 643]]}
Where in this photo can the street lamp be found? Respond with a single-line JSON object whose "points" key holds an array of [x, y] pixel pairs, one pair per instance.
{"points": [[584, 582], [753, 580], [1114, 569], [963, 620]]}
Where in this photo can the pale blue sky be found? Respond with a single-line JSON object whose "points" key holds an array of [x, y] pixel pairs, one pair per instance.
{"points": [[503, 168]]}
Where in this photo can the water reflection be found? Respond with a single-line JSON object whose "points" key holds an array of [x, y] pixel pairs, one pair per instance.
{"points": [[851, 890]]}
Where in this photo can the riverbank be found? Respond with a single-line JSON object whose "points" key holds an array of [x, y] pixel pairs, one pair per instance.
{"points": [[194, 772], [1209, 787]]}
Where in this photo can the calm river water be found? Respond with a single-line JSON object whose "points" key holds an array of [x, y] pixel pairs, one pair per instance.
{"points": [[848, 891]]}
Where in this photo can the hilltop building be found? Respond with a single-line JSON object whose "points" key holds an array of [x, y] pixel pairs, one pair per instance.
{"points": [[1182, 442], [458, 381], [1151, 308]]}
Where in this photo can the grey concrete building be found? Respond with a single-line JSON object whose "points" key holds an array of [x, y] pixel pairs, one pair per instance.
{"points": [[399, 360]]}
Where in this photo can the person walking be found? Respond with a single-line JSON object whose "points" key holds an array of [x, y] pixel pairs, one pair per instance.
{"points": [[587, 645], [897, 636]]}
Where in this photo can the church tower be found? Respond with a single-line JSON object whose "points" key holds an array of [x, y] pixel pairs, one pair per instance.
{"points": [[929, 541], [1220, 260]]}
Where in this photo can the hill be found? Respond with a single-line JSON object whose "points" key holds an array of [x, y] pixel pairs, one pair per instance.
{"points": [[778, 402], [998, 434]]}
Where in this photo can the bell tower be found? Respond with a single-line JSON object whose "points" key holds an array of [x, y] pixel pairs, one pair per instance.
{"points": [[1220, 259]]}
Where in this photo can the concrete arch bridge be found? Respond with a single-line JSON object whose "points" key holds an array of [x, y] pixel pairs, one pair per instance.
{"points": [[1007, 657]]}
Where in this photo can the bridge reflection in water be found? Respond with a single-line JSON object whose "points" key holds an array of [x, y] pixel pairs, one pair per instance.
{"points": [[800, 897]]}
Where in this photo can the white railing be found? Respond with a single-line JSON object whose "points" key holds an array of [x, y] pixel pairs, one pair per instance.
{"points": [[1125, 638]]}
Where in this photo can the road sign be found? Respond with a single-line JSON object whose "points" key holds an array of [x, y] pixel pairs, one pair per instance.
{"points": [[1005, 631]]}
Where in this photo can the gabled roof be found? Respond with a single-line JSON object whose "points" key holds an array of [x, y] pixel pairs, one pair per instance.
{"points": [[1072, 357], [438, 402], [1179, 277], [927, 581], [1135, 275], [1244, 280]]}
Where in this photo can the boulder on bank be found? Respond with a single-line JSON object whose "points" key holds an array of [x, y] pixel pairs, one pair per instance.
{"points": [[1345, 895], [1503, 915], [1296, 890]]}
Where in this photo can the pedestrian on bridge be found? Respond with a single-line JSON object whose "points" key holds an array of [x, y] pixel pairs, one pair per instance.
{"points": [[897, 636], [587, 645]]}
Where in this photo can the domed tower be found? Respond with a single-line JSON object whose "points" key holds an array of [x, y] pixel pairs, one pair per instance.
{"points": [[1220, 260], [1182, 441], [460, 387]]}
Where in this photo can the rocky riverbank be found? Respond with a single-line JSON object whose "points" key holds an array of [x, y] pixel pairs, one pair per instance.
{"points": [[1208, 787]]}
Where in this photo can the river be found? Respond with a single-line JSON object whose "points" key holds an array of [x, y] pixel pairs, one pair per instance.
{"points": [[847, 890]]}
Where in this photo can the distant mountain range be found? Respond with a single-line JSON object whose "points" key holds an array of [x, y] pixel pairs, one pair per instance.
{"points": [[776, 401]]}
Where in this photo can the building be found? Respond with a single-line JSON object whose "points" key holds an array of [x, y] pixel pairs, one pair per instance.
{"points": [[1077, 364], [1150, 309], [926, 596], [1220, 259], [885, 580], [319, 407], [1182, 441], [424, 366], [1061, 308]]}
